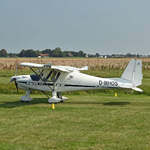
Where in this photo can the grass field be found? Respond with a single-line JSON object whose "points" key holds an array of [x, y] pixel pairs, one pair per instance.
{"points": [[91, 120]]}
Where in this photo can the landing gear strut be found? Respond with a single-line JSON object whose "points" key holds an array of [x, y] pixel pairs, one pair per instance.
{"points": [[56, 98], [27, 97]]}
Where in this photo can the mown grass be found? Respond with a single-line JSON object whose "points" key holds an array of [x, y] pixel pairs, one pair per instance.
{"points": [[89, 120], [83, 122]]}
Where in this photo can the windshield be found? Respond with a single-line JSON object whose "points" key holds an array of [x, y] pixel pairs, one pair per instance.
{"points": [[35, 77]]}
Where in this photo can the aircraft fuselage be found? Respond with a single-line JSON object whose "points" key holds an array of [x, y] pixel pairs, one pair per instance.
{"points": [[73, 81]]}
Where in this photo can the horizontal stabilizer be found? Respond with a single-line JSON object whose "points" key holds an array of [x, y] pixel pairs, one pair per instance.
{"points": [[137, 89]]}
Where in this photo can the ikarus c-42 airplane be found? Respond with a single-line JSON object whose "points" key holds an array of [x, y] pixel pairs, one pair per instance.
{"points": [[58, 79]]}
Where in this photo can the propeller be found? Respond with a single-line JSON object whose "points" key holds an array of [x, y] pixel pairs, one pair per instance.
{"points": [[16, 84], [13, 78]]}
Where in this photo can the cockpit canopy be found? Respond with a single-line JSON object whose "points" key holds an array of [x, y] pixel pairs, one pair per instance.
{"points": [[35, 77], [51, 76]]}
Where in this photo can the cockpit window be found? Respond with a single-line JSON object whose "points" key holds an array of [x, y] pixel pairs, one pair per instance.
{"points": [[51, 76], [35, 77], [57, 76]]}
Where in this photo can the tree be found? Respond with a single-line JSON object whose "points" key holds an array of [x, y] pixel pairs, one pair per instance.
{"points": [[97, 54], [81, 54], [57, 52], [12, 55], [28, 53], [47, 51], [3, 53]]}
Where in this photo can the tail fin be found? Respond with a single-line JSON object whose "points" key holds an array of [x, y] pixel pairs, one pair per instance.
{"points": [[133, 72]]}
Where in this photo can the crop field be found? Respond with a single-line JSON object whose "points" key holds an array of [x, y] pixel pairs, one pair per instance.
{"points": [[96, 63], [89, 120]]}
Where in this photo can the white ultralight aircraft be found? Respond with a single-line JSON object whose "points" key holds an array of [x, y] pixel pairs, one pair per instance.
{"points": [[58, 79]]}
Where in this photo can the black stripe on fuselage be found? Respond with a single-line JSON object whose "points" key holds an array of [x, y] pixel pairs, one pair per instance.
{"points": [[37, 83], [79, 85], [67, 85]]}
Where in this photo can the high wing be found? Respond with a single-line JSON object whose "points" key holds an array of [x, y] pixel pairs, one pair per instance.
{"points": [[68, 68], [32, 65], [49, 66]]}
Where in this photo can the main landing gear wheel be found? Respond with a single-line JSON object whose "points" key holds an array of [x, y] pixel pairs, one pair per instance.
{"points": [[57, 98]]}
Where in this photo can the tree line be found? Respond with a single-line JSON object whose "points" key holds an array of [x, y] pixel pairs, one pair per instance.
{"points": [[57, 52]]}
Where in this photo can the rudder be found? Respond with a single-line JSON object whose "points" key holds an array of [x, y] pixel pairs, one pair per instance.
{"points": [[133, 72]]}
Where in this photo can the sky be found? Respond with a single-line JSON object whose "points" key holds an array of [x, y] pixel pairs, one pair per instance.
{"points": [[103, 26]]}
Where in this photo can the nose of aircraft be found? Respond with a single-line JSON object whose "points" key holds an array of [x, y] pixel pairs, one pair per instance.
{"points": [[13, 78]]}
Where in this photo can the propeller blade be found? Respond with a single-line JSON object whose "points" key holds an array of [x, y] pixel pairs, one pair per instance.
{"points": [[13, 79], [16, 86]]}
